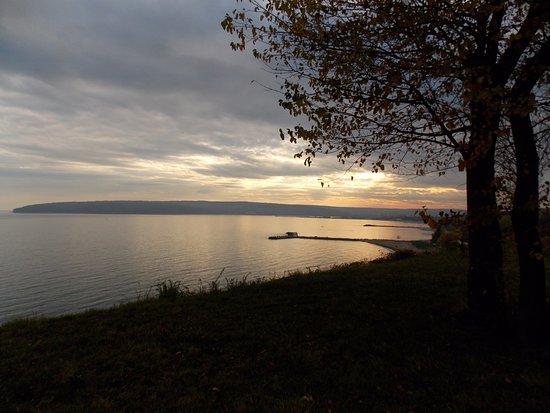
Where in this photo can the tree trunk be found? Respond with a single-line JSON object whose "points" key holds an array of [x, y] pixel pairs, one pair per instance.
{"points": [[525, 219], [484, 240], [485, 280]]}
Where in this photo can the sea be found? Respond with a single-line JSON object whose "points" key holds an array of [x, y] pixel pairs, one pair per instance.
{"points": [[53, 264]]}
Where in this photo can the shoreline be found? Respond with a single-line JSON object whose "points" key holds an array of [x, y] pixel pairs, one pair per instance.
{"points": [[301, 343]]}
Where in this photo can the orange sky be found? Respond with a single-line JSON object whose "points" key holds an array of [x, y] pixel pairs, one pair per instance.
{"points": [[152, 104]]}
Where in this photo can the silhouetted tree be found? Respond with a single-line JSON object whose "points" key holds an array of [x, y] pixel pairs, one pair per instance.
{"points": [[417, 84]]}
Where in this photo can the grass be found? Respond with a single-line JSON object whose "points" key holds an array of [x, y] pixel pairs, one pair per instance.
{"points": [[386, 336]]}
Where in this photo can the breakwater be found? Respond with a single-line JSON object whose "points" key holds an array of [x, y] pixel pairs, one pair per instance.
{"points": [[395, 245]]}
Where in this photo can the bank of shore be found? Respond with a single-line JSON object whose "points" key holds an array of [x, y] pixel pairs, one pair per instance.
{"points": [[383, 336]]}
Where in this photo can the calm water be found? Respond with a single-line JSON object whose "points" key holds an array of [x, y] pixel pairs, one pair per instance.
{"points": [[54, 264]]}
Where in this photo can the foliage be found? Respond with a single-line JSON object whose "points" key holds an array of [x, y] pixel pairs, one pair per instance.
{"points": [[394, 256], [392, 78], [449, 227]]}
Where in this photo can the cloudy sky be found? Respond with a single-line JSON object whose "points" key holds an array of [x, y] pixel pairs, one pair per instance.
{"points": [[144, 100]]}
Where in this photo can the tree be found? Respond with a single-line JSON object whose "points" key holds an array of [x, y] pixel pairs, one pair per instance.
{"points": [[411, 84], [522, 161], [525, 210], [524, 158]]}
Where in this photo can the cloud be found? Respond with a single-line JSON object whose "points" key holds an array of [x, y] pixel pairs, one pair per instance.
{"points": [[144, 99], [158, 55]]}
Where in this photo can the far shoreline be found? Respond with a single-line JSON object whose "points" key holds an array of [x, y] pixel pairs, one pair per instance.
{"points": [[220, 208]]}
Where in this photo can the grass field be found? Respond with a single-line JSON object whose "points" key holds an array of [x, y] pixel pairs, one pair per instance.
{"points": [[388, 336]]}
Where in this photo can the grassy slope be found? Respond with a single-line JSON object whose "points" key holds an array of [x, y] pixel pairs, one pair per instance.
{"points": [[368, 337]]}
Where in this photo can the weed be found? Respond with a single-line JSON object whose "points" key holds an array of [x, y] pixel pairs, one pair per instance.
{"points": [[214, 285], [171, 290]]}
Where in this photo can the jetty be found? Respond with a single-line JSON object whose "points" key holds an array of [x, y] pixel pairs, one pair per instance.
{"points": [[286, 235], [395, 245]]}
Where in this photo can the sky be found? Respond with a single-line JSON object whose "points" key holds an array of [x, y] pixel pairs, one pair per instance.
{"points": [[145, 100]]}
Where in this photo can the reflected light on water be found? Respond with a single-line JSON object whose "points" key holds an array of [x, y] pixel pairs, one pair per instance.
{"points": [[54, 264]]}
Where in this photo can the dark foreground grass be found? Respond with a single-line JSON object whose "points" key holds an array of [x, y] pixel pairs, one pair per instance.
{"points": [[391, 336]]}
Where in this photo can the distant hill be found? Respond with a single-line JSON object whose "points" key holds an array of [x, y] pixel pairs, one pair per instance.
{"points": [[214, 208]]}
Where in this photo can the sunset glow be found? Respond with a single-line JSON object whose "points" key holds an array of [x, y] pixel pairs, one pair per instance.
{"points": [[92, 110]]}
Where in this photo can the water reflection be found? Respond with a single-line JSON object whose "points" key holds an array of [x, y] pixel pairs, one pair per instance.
{"points": [[52, 264]]}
